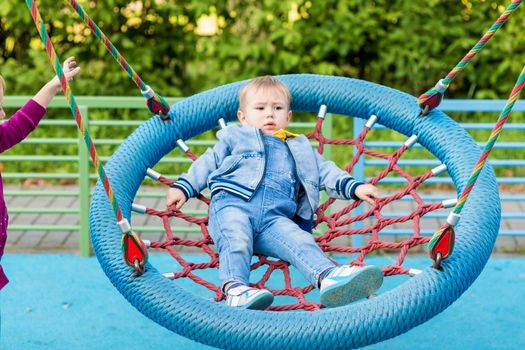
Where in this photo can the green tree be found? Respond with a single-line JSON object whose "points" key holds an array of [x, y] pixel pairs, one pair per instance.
{"points": [[185, 47]]}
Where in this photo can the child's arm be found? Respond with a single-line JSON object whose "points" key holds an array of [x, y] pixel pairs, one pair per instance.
{"points": [[339, 184], [20, 124], [27, 118], [48, 91], [195, 180]]}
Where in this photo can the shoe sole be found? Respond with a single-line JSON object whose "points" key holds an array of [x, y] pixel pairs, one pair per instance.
{"points": [[260, 303], [360, 286]]}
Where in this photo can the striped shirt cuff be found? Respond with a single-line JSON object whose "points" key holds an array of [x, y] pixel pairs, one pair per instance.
{"points": [[351, 186], [347, 186], [185, 187]]}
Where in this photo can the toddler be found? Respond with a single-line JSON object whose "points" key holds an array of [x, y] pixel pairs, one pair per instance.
{"points": [[265, 184]]}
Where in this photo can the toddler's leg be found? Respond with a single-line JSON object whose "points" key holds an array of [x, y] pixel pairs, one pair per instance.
{"points": [[232, 233], [283, 239], [339, 285], [231, 230]]}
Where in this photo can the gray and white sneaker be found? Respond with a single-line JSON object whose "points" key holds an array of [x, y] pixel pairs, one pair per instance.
{"points": [[249, 298], [345, 284]]}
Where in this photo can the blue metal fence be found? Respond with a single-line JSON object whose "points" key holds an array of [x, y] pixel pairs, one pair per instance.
{"points": [[513, 193]]}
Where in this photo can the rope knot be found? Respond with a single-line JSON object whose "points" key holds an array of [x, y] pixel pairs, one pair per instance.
{"points": [[441, 244], [134, 252], [158, 106], [432, 98]]}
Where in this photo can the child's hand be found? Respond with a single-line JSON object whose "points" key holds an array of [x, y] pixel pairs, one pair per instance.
{"points": [[70, 70], [175, 196], [52, 87], [367, 193]]}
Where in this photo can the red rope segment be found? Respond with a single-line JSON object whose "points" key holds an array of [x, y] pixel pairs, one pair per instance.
{"points": [[442, 242], [156, 103], [338, 223], [133, 250], [433, 97]]}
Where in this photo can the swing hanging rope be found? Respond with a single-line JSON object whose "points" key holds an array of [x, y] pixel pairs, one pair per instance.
{"points": [[134, 250], [156, 103], [433, 97], [442, 242]]}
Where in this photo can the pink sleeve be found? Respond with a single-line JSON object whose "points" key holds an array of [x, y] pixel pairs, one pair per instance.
{"points": [[20, 124]]}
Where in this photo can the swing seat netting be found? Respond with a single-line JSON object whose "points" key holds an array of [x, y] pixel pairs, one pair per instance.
{"points": [[386, 315]]}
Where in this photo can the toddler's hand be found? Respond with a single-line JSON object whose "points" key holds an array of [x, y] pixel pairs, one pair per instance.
{"points": [[175, 196], [367, 193]]}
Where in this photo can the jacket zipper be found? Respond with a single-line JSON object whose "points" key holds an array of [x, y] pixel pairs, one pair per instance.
{"points": [[261, 143], [299, 178]]}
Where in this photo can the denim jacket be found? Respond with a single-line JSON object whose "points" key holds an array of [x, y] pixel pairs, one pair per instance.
{"points": [[237, 162]]}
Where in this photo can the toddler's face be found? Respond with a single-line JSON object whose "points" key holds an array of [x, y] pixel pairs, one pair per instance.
{"points": [[265, 109]]}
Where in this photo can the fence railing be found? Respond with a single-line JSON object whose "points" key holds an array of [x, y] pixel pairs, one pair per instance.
{"points": [[82, 176], [511, 196]]}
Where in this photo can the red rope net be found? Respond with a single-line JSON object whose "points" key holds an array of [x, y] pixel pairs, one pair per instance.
{"points": [[338, 224]]}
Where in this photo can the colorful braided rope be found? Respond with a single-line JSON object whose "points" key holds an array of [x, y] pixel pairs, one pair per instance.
{"points": [[156, 103], [481, 162], [133, 248], [432, 98], [55, 62]]}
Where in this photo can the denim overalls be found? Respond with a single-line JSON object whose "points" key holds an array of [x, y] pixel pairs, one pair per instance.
{"points": [[264, 224]]}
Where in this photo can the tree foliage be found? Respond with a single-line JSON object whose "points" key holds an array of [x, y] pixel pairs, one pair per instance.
{"points": [[183, 47]]}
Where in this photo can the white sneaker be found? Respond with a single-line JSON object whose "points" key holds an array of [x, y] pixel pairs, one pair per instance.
{"points": [[249, 298], [346, 284]]}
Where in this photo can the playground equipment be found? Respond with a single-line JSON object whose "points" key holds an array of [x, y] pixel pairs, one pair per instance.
{"points": [[381, 317]]}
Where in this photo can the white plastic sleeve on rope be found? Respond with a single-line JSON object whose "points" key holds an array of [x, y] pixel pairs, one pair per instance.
{"points": [[413, 272], [183, 146], [169, 275], [439, 169], [411, 141], [147, 243], [222, 123], [449, 203], [124, 225], [148, 93], [440, 87], [371, 121], [453, 219], [322, 112], [153, 174], [137, 208]]}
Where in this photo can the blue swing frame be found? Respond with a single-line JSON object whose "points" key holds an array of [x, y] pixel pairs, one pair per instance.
{"points": [[384, 316]]}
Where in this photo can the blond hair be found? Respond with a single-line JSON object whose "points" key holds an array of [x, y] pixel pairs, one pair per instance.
{"points": [[264, 82], [2, 83]]}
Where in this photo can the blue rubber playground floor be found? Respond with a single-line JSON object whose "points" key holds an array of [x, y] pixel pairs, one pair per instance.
{"points": [[58, 301]]}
